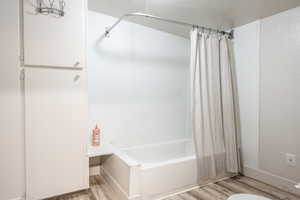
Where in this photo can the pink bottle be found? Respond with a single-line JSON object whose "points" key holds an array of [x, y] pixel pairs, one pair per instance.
{"points": [[96, 136]]}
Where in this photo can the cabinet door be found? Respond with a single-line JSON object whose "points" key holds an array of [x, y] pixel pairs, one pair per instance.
{"points": [[56, 114], [55, 41]]}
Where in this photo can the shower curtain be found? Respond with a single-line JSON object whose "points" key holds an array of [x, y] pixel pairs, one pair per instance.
{"points": [[214, 106]]}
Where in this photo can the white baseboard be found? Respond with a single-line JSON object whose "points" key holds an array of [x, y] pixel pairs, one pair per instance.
{"points": [[116, 187], [95, 170], [176, 192], [274, 180]]}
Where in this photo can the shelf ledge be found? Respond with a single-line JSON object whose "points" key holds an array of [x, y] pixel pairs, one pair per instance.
{"points": [[102, 150]]}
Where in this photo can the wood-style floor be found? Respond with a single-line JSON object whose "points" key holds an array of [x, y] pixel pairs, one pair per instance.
{"points": [[100, 190]]}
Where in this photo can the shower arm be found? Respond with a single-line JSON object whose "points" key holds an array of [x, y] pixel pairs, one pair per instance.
{"points": [[109, 29]]}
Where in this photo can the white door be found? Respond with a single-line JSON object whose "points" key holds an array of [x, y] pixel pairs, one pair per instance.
{"points": [[55, 41], [56, 114]]}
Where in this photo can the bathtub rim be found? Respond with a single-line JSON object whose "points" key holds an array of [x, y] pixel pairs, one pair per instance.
{"points": [[121, 152]]}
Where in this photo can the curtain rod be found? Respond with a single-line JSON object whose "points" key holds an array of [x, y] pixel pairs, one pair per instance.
{"points": [[108, 30]]}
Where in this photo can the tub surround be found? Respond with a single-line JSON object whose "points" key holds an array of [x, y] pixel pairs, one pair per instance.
{"points": [[138, 89]]}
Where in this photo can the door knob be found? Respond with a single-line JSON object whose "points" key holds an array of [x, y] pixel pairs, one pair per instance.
{"points": [[76, 78], [77, 64]]}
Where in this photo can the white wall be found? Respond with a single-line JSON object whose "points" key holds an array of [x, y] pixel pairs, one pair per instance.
{"points": [[138, 82], [246, 47], [11, 121], [280, 93], [268, 57]]}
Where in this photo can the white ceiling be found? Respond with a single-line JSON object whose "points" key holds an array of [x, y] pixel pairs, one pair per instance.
{"points": [[220, 14]]}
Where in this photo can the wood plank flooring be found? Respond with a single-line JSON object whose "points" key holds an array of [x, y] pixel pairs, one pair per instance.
{"points": [[100, 190], [240, 184]]}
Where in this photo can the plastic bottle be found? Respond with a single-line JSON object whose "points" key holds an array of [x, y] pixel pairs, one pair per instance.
{"points": [[96, 136]]}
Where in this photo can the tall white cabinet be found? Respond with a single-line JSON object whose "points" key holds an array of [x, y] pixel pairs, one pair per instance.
{"points": [[56, 106]]}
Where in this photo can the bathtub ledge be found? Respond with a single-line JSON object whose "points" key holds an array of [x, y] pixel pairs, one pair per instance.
{"points": [[100, 151]]}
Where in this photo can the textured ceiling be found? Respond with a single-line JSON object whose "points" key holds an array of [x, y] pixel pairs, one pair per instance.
{"points": [[220, 14]]}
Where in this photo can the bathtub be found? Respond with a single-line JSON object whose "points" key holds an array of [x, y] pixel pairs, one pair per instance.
{"points": [[152, 171]]}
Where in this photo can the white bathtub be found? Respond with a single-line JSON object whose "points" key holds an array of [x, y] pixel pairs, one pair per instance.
{"points": [[152, 171]]}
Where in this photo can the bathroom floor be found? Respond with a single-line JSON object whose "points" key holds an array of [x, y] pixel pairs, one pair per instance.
{"points": [[223, 189], [100, 190]]}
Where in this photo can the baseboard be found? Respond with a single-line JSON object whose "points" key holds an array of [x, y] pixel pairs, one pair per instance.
{"points": [[116, 187], [94, 170], [176, 192], [271, 179]]}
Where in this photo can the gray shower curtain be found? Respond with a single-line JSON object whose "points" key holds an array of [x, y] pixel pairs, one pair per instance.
{"points": [[214, 106]]}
